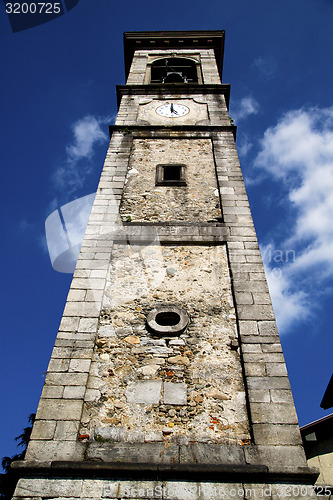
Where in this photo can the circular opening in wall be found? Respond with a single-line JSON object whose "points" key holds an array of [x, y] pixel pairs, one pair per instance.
{"points": [[167, 320]]}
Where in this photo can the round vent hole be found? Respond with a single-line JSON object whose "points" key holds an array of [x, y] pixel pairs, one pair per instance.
{"points": [[167, 318]]}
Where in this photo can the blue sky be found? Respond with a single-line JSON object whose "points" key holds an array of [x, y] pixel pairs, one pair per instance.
{"points": [[57, 99]]}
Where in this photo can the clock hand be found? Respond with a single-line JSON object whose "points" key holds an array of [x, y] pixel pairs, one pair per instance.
{"points": [[172, 110]]}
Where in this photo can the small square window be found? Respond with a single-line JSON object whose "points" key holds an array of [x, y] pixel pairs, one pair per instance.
{"points": [[170, 175]]}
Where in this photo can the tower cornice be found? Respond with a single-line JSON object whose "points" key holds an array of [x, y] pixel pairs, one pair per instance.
{"points": [[144, 40], [163, 130]]}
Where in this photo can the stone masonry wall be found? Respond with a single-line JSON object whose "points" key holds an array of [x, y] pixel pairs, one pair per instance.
{"points": [[198, 200], [277, 441], [207, 58], [184, 387]]}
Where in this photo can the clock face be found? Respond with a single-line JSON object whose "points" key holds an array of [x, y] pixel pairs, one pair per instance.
{"points": [[171, 110]]}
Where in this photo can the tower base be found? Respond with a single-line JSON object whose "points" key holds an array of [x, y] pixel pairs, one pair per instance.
{"points": [[150, 480]]}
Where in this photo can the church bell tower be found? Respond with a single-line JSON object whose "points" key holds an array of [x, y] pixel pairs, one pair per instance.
{"points": [[167, 378]]}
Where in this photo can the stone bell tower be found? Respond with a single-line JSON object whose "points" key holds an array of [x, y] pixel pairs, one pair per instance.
{"points": [[167, 379]]}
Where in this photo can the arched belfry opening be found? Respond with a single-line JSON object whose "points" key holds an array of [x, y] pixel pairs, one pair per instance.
{"points": [[174, 70]]}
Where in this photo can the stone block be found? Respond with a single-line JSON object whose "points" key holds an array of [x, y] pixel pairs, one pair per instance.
{"points": [[254, 258], [65, 340], [248, 327], [55, 450], [276, 456], [92, 395], [133, 453], [268, 383], [255, 312], [95, 382], [244, 219], [191, 490], [93, 489], [276, 358], [61, 352], [255, 369], [257, 277], [88, 284], [97, 273], [66, 431], [276, 369], [88, 325], [52, 392], [79, 365], [237, 210], [242, 231], [60, 379], [110, 433], [95, 295], [252, 245], [235, 245], [74, 392], [174, 394], [281, 396], [69, 324], [243, 298], [277, 413], [43, 429], [271, 347], [261, 298], [103, 259], [131, 489], [84, 341], [267, 328], [58, 365], [242, 201], [212, 454], [259, 396], [265, 342], [144, 392], [76, 295], [72, 336], [153, 436], [276, 434], [83, 352], [57, 409], [251, 347], [81, 309], [135, 436]]}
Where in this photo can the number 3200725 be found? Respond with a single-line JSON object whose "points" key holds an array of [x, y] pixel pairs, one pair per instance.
{"points": [[33, 8]]}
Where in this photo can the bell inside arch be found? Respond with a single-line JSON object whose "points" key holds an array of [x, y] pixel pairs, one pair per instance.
{"points": [[175, 70], [174, 77]]}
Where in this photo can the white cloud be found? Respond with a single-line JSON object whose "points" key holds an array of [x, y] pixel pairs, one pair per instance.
{"points": [[67, 222], [299, 152], [289, 300], [266, 66], [288, 303], [244, 108], [72, 173], [244, 146], [87, 132]]}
